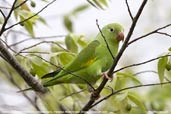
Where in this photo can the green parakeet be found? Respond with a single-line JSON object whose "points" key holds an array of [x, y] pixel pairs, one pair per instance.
{"points": [[92, 61]]}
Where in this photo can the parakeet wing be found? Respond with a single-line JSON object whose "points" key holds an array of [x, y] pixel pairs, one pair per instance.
{"points": [[85, 58]]}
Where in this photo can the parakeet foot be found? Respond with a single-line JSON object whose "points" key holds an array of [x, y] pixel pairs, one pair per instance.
{"points": [[107, 77]]}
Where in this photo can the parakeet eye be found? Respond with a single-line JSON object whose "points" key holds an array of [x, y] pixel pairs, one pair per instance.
{"points": [[112, 29]]}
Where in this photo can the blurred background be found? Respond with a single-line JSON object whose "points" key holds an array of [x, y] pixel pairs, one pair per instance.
{"points": [[155, 14]]}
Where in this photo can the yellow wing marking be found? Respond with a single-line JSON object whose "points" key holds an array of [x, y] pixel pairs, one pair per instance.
{"points": [[89, 62]]}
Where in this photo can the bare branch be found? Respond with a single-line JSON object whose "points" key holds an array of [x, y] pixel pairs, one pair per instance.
{"points": [[36, 38], [31, 52], [108, 48], [129, 11], [146, 71], [74, 93], [8, 46], [128, 88], [39, 43], [163, 33], [91, 3], [20, 4], [96, 93], [3, 14], [2, 7], [7, 18], [29, 79], [150, 33], [30, 16], [141, 63]]}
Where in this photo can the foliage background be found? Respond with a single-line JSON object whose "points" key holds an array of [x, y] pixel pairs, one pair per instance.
{"points": [[155, 14]]}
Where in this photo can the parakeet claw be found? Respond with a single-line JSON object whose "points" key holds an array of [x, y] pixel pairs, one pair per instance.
{"points": [[107, 77]]}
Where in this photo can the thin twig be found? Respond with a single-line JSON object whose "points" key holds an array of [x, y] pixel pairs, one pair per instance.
{"points": [[31, 52], [20, 4], [74, 93], [141, 63], [146, 71], [129, 11], [2, 7], [104, 38], [3, 14], [30, 16], [163, 33], [7, 18], [96, 93], [39, 43], [150, 33], [8, 46], [36, 38], [91, 3], [128, 88]]}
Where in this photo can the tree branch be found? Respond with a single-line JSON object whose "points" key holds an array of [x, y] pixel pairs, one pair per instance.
{"points": [[39, 43], [128, 88], [163, 33], [96, 93], [30, 16], [150, 33], [36, 38], [29, 79], [20, 4], [141, 63], [3, 14], [129, 11], [7, 18], [104, 38]]}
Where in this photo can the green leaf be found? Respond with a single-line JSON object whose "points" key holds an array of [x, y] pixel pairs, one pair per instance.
{"points": [[136, 100], [169, 49], [81, 42], [54, 60], [55, 47], [161, 68], [42, 20], [104, 2], [97, 3], [29, 27], [65, 58], [121, 97], [168, 67], [1, 20], [70, 43], [79, 9], [29, 24], [128, 75], [68, 23], [39, 67], [33, 4]]}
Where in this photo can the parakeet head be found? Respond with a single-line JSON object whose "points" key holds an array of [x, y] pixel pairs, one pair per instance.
{"points": [[113, 33]]}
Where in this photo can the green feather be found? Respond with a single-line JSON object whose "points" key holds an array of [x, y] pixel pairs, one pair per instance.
{"points": [[92, 61]]}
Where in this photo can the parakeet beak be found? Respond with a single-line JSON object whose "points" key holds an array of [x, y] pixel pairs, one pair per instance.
{"points": [[120, 36]]}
